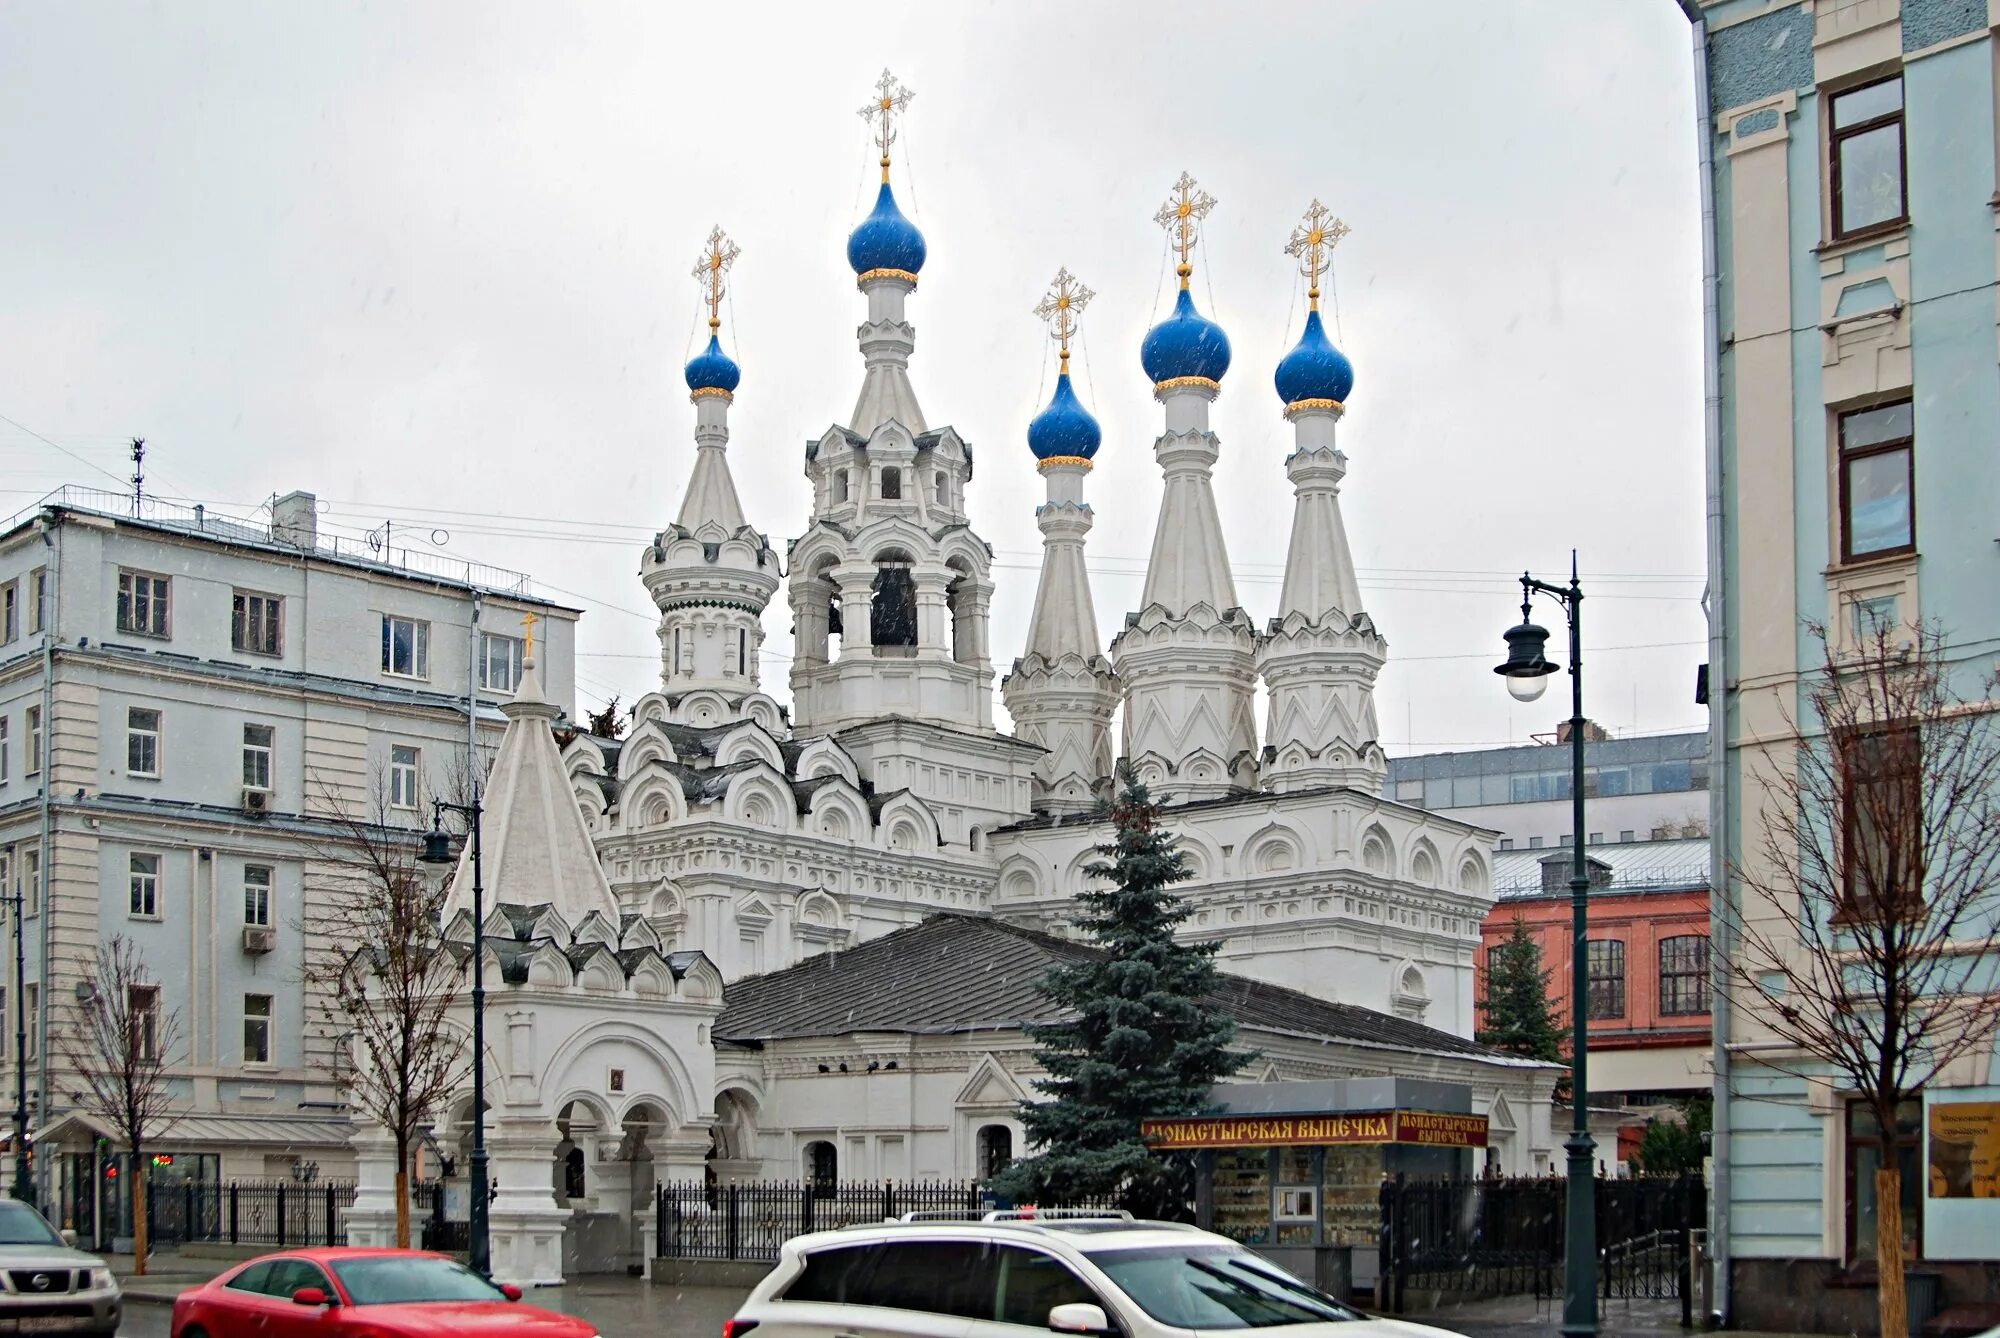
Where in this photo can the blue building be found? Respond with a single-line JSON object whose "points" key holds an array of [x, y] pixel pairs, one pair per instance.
{"points": [[1854, 467]]}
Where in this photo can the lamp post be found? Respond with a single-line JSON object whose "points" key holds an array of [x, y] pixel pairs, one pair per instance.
{"points": [[24, 1187], [437, 850], [1527, 671]]}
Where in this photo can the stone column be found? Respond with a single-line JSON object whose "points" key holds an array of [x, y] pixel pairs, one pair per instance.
{"points": [[372, 1218], [526, 1225]]}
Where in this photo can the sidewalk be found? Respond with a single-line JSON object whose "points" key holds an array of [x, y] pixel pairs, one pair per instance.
{"points": [[1519, 1316]]}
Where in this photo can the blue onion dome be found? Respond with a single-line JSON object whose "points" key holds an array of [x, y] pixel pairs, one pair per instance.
{"points": [[712, 369], [1065, 428], [885, 239], [1185, 344], [1314, 369]]}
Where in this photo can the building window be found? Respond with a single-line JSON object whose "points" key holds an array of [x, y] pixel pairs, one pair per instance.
{"points": [[1626, 836], [1684, 975], [34, 760], [941, 494], [1866, 164], [38, 599], [10, 611], [259, 742], [403, 764], [1866, 1151], [1506, 843], [5, 750], [742, 653], [142, 604], [839, 485], [822, 1167], [142, 1011], [1880, 772], [146, 886], [406, 647], [256, 1028], [34, 1019], [142, 742], [499, 662], [257, 895], [1534, 843], [31, 879], [1604, 968], [256, 623], [1877, 513], [1597, 838], [892, 484], [996, 1150]]}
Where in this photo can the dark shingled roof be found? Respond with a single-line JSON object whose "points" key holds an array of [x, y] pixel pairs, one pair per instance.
{"points": [[960, 973]]}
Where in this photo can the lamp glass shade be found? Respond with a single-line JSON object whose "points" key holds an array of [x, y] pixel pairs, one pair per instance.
{"points": [[1527, 689]]}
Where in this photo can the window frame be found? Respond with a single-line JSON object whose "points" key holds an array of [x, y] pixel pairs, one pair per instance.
{"points": [[1898, 1141], [152, 738], [414, 770], [263, 1024], [38, 599], [270, 620], [257, 895], [160, 598], [10, 611], [1844, 456], [28, 867], [1906, 770], [145, 1016], [1837, 136], [269, 750], [513, 661], [35, 736], [146, 907], [1596, 980], [1690, 977], [33, 1009], [420, 647], [6, 749]]}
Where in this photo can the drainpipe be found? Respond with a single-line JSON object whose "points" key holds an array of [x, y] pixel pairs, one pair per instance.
{"points": [[51, 624], [1718, 661]]}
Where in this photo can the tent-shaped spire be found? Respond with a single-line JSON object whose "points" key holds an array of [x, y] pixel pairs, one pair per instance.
{"points": [[536, 848]]}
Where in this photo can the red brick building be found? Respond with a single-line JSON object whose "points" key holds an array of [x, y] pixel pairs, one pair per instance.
{"points": [[1647, 951]]}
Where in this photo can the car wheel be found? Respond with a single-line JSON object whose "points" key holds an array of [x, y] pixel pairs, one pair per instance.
{"points": [[193, 1331]]}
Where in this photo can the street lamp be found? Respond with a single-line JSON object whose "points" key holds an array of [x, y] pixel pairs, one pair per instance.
{"points": [[437, 850], [1527, 672]]}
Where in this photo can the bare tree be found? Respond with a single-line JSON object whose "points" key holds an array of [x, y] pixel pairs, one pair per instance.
{"points": [[386, 982], [1860, 941], [117, 1041]]}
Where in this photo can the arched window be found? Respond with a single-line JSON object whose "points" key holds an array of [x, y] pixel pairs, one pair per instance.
{"points": [[996, 1150], [822, 1168], [573, 1176], [938, 475], [892, 614], [839, 485], [964, 617], [743, 652], [892, 484]]}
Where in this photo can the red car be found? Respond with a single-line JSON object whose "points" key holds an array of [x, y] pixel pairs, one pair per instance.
{"points": [[362, 1293]]}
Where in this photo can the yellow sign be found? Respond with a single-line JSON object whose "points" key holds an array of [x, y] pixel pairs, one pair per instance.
{"points": [[1965, 1150], [1423, 1128]]}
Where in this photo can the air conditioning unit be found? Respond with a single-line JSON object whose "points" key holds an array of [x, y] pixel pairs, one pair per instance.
{"points": [[256, 801], [259, 938]]}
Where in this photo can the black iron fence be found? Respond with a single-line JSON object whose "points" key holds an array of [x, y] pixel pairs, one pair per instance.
{"points": [[438, 1230], [1496, 1237], [751, 1221], [282, 1214]]}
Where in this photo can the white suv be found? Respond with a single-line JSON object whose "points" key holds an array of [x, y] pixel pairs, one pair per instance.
{"points": [[1011, 1274]]}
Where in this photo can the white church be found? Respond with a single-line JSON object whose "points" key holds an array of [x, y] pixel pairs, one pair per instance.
{"points": [[748, 942]]}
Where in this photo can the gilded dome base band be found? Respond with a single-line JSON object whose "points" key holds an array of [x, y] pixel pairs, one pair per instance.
{"points": [[863, 279], [1297, 407], [1072, 461], [1186, 383]]}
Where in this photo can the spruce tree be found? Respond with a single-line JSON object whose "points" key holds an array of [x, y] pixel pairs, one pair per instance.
{"points": [[1515, 1011], [1139, 1035]]}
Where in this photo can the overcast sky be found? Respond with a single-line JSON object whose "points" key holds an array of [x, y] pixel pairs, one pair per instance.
{"points": [[431, 263]]}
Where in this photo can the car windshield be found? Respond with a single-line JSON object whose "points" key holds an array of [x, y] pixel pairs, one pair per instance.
{"points": [[1216, 1287], [22, 1225], [403, 1279]]}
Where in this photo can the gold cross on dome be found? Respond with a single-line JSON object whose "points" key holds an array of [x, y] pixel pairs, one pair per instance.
{"points": [[1312, 245], [890, 100], [1066, 300], [716, 259], [528, 621], [1181, 216]]}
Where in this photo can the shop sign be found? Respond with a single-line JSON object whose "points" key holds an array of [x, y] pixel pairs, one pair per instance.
{"points": [[1419, 1128], [1965, 1150]]}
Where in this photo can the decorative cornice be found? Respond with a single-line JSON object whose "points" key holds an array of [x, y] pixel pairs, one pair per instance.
{"points": [[867, 277], [1067, 461], [1161, 388], [710, 393], [1297, 407]]}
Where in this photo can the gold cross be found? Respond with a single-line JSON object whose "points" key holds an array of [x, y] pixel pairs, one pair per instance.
{"points": [[1066, 300], [890, 99], [1181, 216], [528, 628], [715, 262], [1312, 244]]}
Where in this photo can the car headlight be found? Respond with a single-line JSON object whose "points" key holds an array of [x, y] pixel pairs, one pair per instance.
{"points": [[100, 1279]]}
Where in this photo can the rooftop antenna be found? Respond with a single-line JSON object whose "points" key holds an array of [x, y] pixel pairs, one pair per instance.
{"points": [[138, 473]]}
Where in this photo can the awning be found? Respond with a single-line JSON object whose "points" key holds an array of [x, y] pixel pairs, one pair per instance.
{"points": [[206, 1131]]}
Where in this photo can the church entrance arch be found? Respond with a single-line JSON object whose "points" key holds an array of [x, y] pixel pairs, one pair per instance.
{"points": [[604, 1177], [732, 1142]]}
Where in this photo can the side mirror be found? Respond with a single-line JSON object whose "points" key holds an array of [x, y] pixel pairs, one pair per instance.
{"points": [[309, 1296], [510, 1291], [1080, 1317]]}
